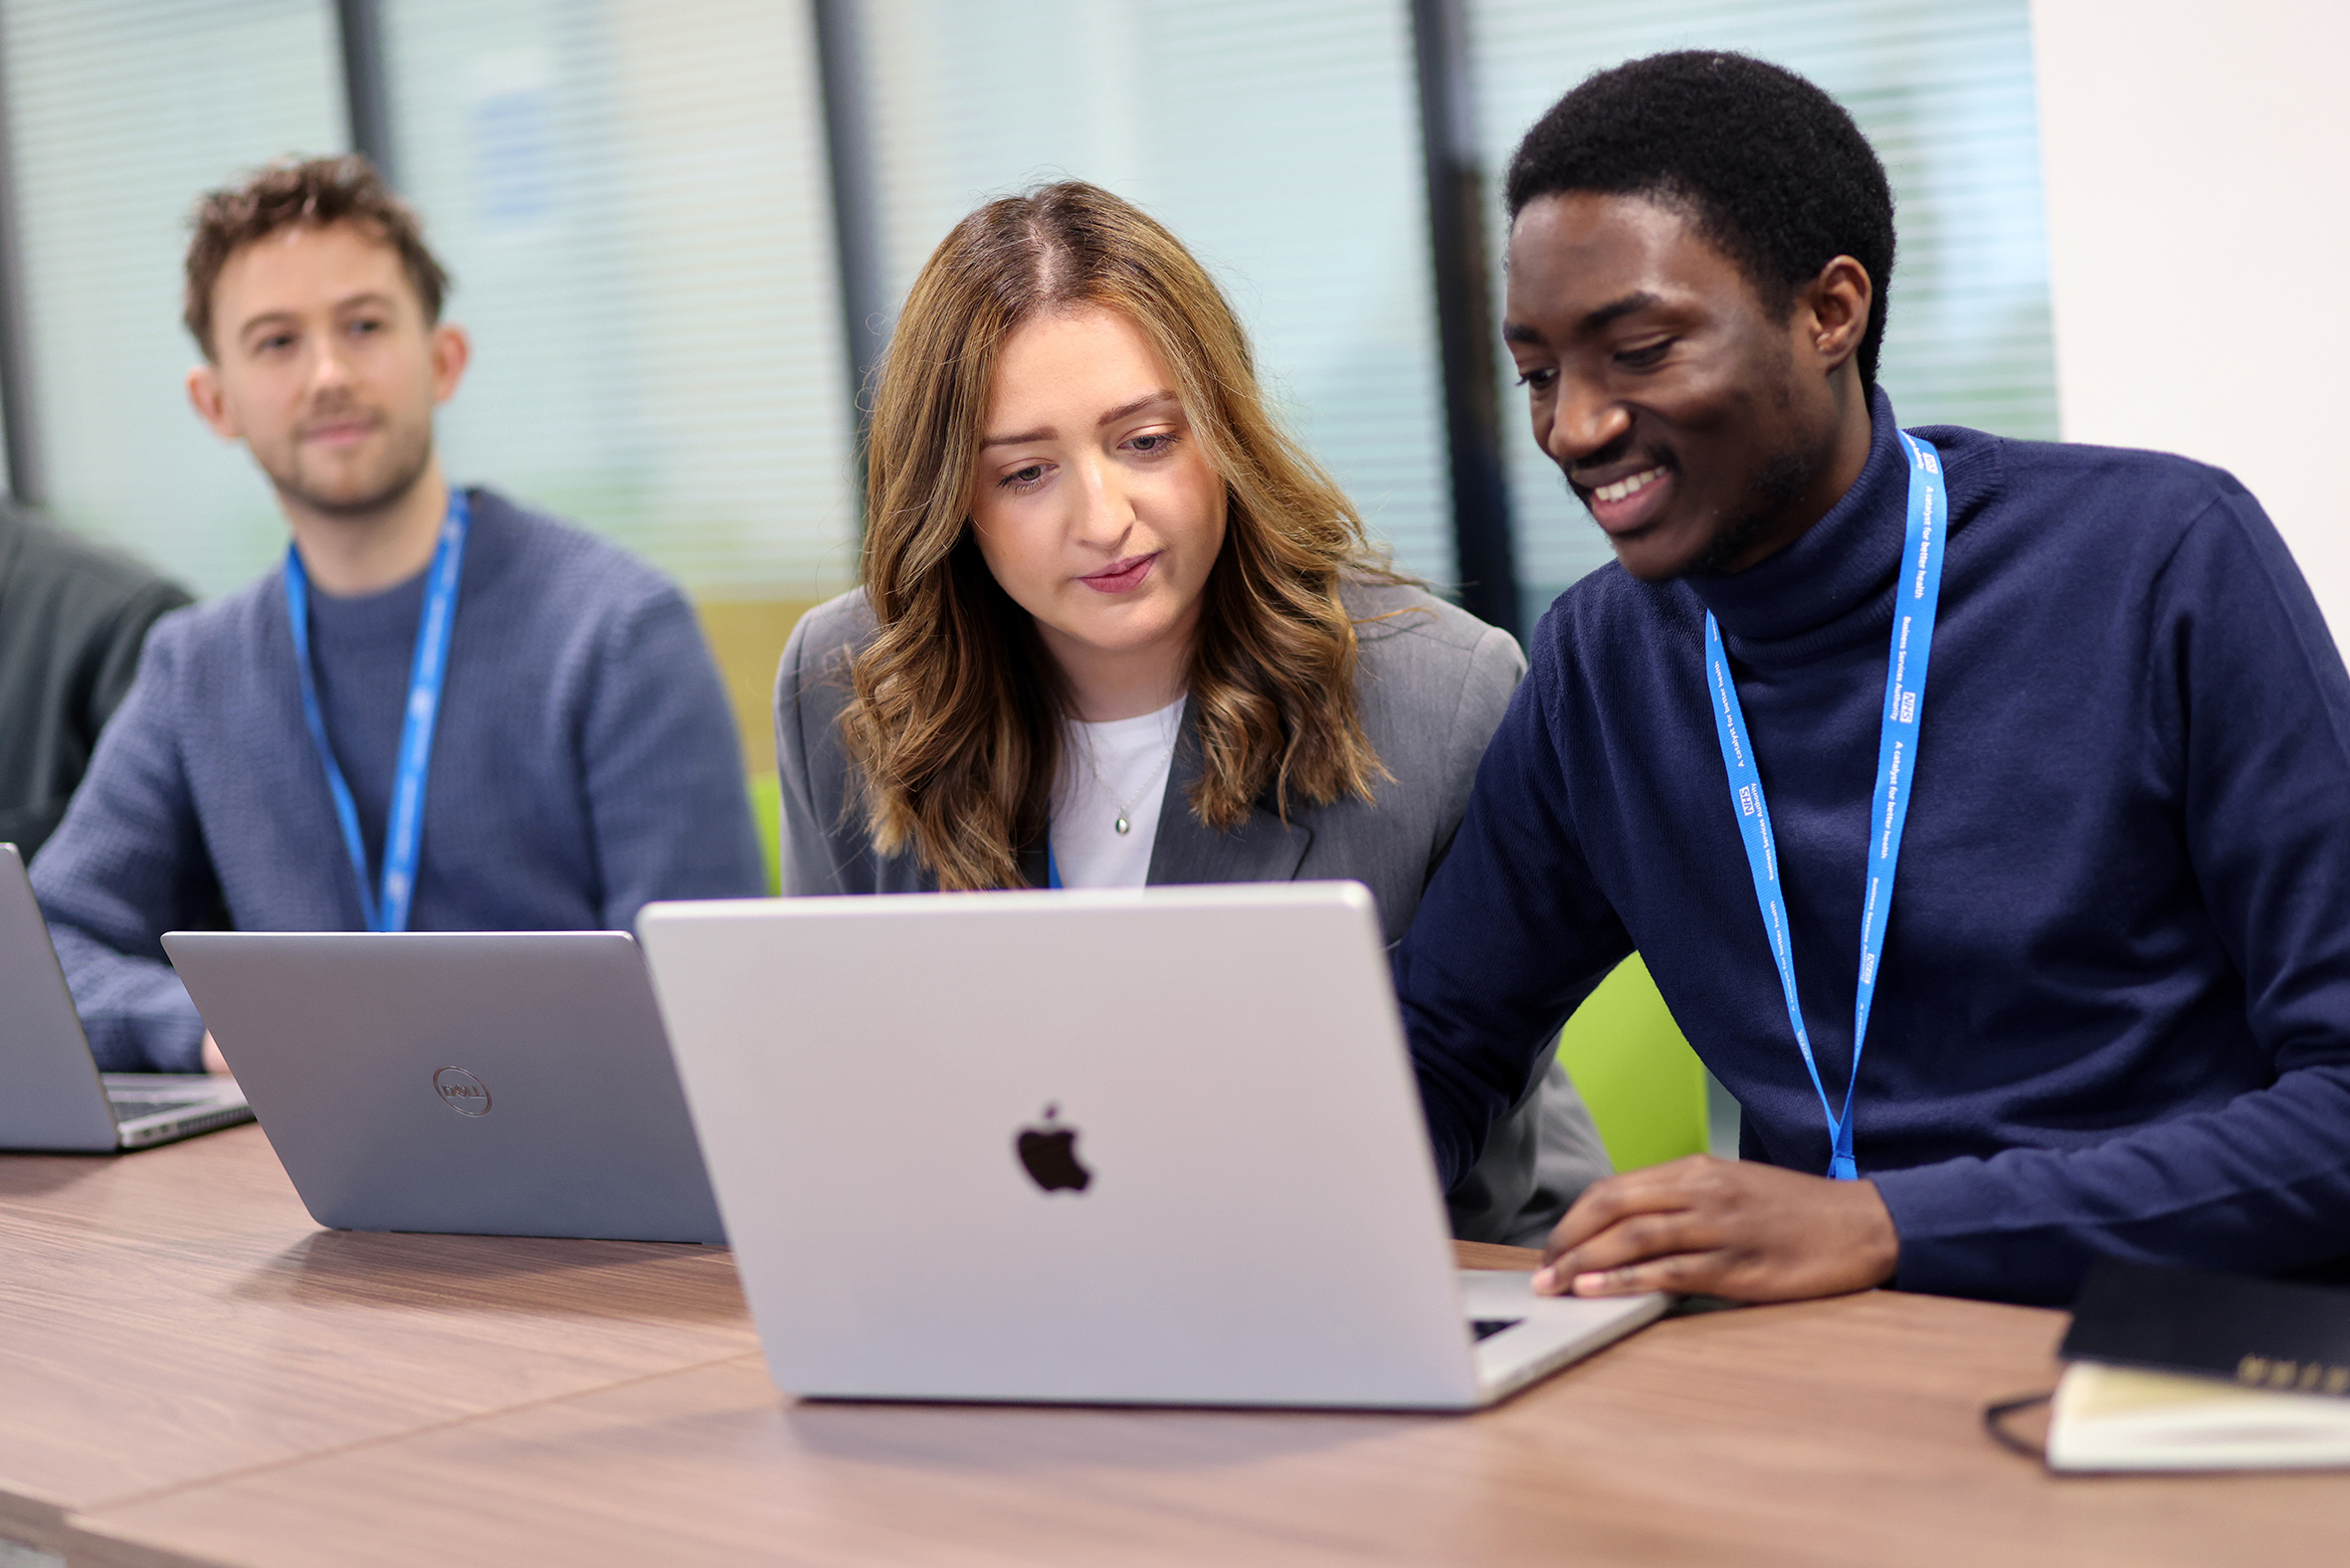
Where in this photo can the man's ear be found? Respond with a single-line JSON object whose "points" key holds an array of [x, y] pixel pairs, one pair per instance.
{"points": [[211, 403], [453, 350], [1833, 311]]}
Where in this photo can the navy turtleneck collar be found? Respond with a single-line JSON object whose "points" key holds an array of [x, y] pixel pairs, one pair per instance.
{"points": [[1837, 565]]}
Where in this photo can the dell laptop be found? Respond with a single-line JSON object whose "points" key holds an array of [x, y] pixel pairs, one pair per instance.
{"points": [[501, 1083], [1149, 1146], [51, 1095]]}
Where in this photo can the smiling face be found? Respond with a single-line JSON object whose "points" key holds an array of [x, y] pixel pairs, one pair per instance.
{"points": [[325, 367], [1702, 432], [1094, 508]]}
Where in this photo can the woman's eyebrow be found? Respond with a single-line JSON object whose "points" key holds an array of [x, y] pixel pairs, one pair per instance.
{"points": [[1135, 407], [1112, 417], [1046, 433]]}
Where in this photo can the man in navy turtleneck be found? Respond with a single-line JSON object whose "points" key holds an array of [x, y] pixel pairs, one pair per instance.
{"points": [[2112, 1010]]}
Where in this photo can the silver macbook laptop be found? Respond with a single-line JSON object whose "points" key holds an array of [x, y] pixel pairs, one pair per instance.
{"points": [[1158, 1146], [500, 1083], [55, 1098]]}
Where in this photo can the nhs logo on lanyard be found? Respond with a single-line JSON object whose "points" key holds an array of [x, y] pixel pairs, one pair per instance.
{"points": [[1747, 802]]}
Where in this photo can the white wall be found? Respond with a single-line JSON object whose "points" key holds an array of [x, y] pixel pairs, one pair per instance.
{"points": [[2197, 165]]}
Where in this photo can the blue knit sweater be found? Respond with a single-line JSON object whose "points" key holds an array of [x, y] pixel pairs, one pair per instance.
{"points": [[584, 763], [2113, 1014]]}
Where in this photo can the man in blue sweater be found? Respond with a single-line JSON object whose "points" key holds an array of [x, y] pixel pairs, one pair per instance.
{"points": [[2109, 999], [441, 712]]}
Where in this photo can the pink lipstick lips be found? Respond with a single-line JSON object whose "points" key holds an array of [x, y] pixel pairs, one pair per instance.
{"points": [[1122, 576]]}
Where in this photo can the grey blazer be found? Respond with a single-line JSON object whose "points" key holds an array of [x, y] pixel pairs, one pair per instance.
{"points": [[1433, 681]]}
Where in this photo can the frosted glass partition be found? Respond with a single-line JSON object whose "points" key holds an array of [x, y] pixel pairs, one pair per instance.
{"points": [[1944, 91], [120, 113], [1280, 141], [632, 197]]}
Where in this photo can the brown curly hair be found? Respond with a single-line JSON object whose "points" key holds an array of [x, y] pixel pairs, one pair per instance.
{"points": [[313, 193], [956, 714]]}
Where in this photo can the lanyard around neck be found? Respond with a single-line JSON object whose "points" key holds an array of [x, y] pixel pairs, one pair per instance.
{"points": [[1917, 594], [428, 669]]}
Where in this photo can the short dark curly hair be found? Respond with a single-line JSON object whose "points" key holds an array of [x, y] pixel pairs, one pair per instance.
{"points": [[1770, 168], [313, 192]]}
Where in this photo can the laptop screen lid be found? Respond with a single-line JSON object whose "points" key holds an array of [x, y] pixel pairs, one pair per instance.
{"points": [[54, 1100], [503, 1083], [1151, 1146]]}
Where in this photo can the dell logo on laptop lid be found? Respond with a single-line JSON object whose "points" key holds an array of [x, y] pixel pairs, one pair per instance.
{"points": [[463, 1093], [1047, 1150]]}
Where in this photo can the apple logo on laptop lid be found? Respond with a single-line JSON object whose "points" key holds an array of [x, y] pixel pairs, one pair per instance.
{"points": [[1048, 1151]]}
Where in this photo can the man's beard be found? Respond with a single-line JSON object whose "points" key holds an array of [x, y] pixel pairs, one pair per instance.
{"points": [[405, 462], [1784, 476]]}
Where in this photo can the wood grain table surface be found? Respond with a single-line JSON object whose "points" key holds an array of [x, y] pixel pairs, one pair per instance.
{"points": [[175, 1315], [192, 1373], [1843, 1431]]}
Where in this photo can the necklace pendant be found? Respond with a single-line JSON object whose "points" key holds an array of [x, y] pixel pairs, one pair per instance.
{"points": [[1124, 825]]}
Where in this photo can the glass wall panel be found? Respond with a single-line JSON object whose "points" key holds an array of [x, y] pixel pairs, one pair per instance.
{"points": [[120, 113], [633, 200], [634, 203], [1281, 142], [1944, 91]]}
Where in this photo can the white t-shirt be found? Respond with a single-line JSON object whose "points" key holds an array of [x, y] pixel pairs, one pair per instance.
{"points": [[1107, 770]]}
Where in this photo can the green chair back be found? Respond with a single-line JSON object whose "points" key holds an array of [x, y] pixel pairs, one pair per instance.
{"points": [[767, 811], [1645, 1087]]}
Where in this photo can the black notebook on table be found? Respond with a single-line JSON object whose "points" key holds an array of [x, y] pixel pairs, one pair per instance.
{"points": [[2172, 1370], [2264, 1333]]}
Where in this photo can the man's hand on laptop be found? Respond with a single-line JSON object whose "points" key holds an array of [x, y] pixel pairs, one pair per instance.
{"points": [[214, 1062], [1730, 1227]]}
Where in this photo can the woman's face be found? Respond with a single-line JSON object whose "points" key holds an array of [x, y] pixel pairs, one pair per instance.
{"points": [[1091, 502]]}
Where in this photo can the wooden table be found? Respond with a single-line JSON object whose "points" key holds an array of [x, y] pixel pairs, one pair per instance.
{"points": [[173, 1314], [190, 1373]]}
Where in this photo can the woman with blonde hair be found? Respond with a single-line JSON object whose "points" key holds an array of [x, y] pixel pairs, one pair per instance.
{"points": [[1117, 628]]}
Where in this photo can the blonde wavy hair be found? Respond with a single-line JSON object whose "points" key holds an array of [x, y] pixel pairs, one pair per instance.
{"points": [[956, 712]]}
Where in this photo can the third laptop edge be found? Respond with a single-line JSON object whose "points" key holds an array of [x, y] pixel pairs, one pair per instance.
{"points": [[55, 1100]]}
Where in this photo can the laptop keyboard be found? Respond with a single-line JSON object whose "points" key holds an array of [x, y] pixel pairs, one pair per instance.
{"points": [[131, 1106], [1487, 1328]]}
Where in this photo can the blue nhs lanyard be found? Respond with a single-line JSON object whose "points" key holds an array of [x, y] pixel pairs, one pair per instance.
{"points": [[1916, 595], [404, 831]]}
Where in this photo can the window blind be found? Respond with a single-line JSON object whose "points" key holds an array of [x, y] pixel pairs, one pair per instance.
{"points": [[632, 198], [1281, 143], [1943, 92], [120, 113]]}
